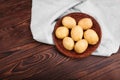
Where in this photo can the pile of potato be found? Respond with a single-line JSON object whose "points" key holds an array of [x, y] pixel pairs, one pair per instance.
{"points": [[76, 36]]}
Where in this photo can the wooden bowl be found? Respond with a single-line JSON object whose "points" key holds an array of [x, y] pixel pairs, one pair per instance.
{"points": [[72, 53]]}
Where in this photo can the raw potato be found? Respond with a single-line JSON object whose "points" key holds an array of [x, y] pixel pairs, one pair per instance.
{"points": [[81, 46], [68, 43], [77, 33], [85, 23], [91, 36], [61, 32], [77, 36], [69, 22]]}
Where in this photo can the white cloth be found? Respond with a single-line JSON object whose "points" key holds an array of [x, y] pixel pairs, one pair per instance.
{"points": [[46, 12]]}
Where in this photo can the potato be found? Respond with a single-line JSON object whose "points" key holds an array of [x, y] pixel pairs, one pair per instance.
{"points": [[69, 22], [85, 23], [81, 46], [91, 36], [61, 32], [68, 43], [77, 33]]}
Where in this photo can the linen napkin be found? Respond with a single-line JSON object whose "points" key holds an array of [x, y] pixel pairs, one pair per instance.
{"points": [[46, 12]]}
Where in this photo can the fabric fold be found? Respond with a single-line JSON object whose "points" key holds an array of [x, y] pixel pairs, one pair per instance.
{"points": [[44, 13]]}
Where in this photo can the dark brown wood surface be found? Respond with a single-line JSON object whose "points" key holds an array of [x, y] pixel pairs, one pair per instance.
{"points": [[22, 58]]}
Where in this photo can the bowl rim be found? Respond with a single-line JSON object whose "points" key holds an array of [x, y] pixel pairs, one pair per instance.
{"points": [[73, 54]]}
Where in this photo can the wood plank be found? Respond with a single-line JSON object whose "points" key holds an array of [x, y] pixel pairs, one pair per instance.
{"points": [[52, 64], [17, 35], [38, 62], [15, 23]]}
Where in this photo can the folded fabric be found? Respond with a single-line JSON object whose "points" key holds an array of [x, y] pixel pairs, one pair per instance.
{"points": [[45, 13], [111, 15]]}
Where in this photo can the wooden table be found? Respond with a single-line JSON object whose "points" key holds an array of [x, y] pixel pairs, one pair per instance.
{"points": [[22, 58]]}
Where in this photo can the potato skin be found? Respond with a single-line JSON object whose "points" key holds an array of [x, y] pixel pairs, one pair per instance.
{"points": [[69, 22], [81, 46], [77, 36], [77, 33], [85, 23], [61, 32], [68, 43], [91, 36]]}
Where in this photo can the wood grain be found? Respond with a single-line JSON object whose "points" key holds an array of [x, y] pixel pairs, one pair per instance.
{"points": [[22, 58]]}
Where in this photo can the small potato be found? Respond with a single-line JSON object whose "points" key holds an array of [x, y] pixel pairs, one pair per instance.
{"points": [[85, 23], [69, 22], [68, 43], [61, 32], [81, 46], [77, 33], [91, 36]]}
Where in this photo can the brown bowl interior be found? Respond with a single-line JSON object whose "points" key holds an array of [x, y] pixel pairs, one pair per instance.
{"points": [[72, 53]]}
